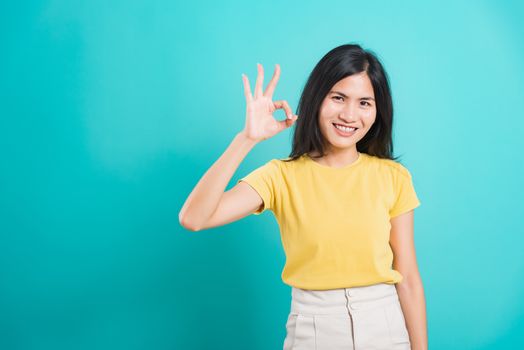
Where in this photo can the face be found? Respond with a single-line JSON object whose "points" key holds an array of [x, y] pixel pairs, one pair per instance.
{"points": [[349, 103]]}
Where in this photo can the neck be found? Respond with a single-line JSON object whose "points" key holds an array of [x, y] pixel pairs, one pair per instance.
{"points": [[338, 158]]}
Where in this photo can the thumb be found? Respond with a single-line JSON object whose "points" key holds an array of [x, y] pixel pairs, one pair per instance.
{"points": [[286, 123]]}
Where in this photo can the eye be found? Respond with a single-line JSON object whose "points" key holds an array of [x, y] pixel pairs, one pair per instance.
{"points": [[367, 103], [338, 97]]}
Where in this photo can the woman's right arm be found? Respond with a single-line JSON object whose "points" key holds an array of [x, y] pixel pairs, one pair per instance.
{"points": [[208, 205], [205, 199]]}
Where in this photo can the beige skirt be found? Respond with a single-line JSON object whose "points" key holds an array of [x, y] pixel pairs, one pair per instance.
{"points": [[357, 318]]}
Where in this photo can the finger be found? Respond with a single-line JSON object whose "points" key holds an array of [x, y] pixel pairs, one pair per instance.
{"points": [[286, 123], [284, 105], [247, 89], [273, 83], [260, 81]]}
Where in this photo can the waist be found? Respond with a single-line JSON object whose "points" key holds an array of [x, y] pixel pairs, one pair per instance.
{"points": [[338, 301]]}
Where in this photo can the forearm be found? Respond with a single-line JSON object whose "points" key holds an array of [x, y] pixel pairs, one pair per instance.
{"points": [[412, 300], [204, 199]]}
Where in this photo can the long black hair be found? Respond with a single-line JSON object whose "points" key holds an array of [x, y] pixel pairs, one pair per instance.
{"points": [[340, 62]]}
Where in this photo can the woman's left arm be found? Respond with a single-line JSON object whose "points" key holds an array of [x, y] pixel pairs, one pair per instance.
{"points": [[410, 289]]}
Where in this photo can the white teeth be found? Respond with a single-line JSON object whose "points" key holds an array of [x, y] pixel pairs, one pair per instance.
{"points": [[344, 128]]}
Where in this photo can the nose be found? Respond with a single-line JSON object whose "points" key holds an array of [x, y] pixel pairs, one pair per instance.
{"points": [[343, 117], [347, 114]]}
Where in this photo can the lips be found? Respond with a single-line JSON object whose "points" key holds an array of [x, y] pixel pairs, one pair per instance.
{"points": [[344, 133], [347, 126]]}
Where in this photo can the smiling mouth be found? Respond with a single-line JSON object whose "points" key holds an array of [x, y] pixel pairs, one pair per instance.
{"points": [[345, 129]]}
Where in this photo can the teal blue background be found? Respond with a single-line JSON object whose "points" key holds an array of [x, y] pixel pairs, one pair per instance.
{"points": [[112, 110]]}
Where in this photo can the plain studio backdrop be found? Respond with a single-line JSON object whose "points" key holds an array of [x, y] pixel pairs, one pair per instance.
{"points": [[112, 110]]}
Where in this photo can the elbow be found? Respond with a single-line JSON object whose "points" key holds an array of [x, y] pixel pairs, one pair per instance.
{"points": [[186, 223], [410, 282]]}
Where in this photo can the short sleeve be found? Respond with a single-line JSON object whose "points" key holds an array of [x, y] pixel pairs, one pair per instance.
{"points": [[265, 180], [405, 195]]}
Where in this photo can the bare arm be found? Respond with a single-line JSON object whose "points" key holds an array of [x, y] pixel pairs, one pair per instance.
{"points": [[410, 290], [208, 205], [203, 200]]}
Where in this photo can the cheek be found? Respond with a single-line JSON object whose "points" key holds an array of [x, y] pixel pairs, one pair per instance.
{"points": [[370, 113], [370, 116], [328, 109], [325, 115], [324, 122]]}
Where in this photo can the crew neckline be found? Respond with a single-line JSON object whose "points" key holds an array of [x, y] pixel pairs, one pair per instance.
{"points": [[356, 162]]}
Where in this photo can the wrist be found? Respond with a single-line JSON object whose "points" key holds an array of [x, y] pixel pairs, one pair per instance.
{"points": [[246, 140]]}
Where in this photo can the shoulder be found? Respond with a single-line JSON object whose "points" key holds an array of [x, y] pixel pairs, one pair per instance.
{"points": [[285, 164], [274, 167], [389, 166]]}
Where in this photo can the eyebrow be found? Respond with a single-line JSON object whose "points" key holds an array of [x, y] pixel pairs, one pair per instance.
{"points": [[362, 98]]}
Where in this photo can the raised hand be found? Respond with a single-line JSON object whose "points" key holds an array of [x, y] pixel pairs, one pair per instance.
{"points": [[260, 123]]}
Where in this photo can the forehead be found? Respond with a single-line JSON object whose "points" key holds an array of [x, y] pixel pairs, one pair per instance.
{"points": [[356, 84]]}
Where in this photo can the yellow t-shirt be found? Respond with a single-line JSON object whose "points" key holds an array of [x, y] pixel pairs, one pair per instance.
{"points": [[335, 222]]}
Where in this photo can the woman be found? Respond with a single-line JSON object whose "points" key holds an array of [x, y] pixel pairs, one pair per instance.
{"points": [[343, 204]]}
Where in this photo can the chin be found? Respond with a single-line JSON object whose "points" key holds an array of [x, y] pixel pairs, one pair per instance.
{"points": [[337, 144], [344, 146]]}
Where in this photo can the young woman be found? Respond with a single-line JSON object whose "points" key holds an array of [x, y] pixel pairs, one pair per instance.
{"points": [[344, 206]]}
